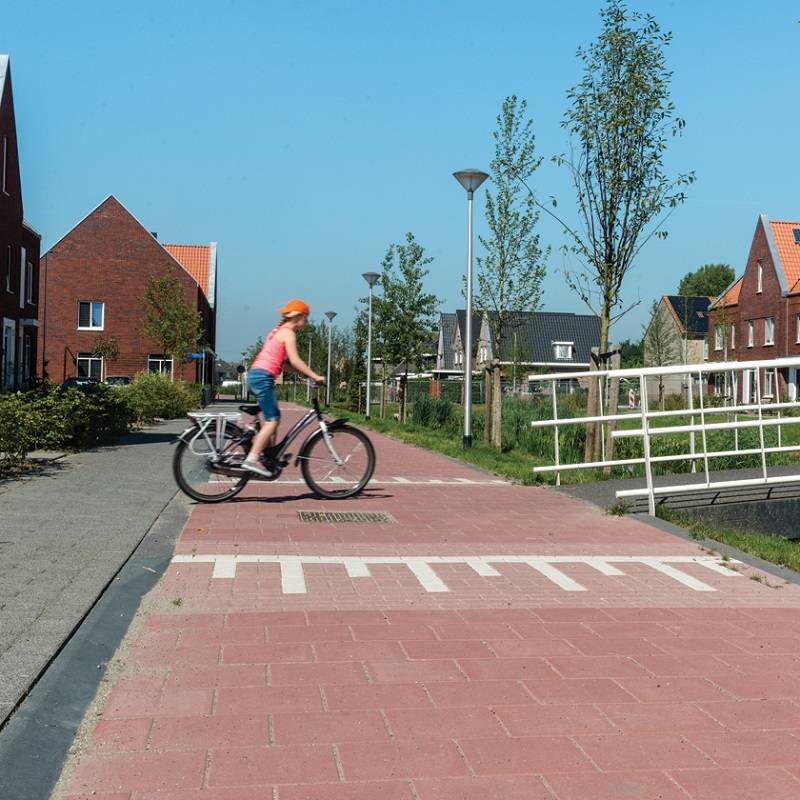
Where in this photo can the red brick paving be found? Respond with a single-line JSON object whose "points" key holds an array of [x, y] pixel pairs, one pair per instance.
{"points": [[505, 686]]}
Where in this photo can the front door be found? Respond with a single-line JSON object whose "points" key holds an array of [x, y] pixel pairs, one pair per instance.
{"points": [[9, 352]]}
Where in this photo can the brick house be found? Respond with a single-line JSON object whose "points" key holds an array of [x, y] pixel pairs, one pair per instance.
{"points": [[758, 316], [94, 277], [19, 255], [677, 334]]}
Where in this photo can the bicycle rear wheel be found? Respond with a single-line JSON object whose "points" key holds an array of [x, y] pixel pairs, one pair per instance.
{"points": [[196, 474], [329, 479]]}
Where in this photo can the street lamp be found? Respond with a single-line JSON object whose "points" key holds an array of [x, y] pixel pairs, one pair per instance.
{"points": [[330, 315], [371, 278], [470, 179]]}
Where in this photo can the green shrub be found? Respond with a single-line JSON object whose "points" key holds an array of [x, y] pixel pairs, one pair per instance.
{"points": [[77, 418], [154, 396], [442, 412], [422, 410], [16, 427]]}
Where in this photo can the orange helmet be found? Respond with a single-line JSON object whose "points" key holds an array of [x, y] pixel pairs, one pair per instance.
{"points": [[296, 307]]}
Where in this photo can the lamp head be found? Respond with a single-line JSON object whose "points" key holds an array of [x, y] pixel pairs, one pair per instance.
{"points": [[371, 277], [470, 179]]}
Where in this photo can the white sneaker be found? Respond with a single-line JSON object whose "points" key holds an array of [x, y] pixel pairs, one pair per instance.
{"points": [[251, 465]]}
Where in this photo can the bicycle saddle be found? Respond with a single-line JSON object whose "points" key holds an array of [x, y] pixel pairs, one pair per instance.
{"points": [[250, 408]]}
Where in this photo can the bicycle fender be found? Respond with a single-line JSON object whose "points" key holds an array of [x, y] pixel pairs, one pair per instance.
{"points": [[184, 436], [337, 423]]}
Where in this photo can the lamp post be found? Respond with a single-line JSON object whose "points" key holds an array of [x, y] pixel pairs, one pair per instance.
{"points": [[330, 315], [371, 278], [308, 382], [470, 179]]}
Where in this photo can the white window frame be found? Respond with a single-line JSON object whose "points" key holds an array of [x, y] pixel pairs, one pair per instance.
{"points": [[769, 331], [557, 345], [90, 326], [769, 384], [797, 337], [5, 165], [760, 286], [23, 260], [29, 287], [705, 348], [88, 357], [160, 360], [733, 336], [719, 337], [751, 332]]}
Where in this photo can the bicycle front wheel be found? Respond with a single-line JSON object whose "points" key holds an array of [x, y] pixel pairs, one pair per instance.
{"points": [[198, 476], [340, 473]]}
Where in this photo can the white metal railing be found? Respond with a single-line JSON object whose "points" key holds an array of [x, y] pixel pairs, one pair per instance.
{"points": [[744, 404]]}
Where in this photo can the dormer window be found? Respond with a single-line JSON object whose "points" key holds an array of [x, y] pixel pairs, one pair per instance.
{"points": [[563, 350], [760, 278]]}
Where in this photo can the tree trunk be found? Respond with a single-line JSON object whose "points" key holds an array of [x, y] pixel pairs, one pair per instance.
{"points": [[487, 407], [612, 405], [591, 411], [497, 408]]}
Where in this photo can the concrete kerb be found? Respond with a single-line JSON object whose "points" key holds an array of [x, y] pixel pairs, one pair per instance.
{"points": [[36, 739]]}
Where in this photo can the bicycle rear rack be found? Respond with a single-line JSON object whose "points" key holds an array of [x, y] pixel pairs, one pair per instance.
{"points": [[204, 421]]}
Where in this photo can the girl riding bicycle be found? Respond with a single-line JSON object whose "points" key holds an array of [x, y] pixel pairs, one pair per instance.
{"points": [[280, 346]]}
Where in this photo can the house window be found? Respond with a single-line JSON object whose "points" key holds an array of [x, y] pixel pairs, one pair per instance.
{"points": [[89, 366], [29, 277], [9, 261], [733, 336], [705, 349], [750, 333], [719, 335], [768, 383], [158, 362], [5, 164], [91, 315], [563, 350], [23, 259], [797, 336], [769, 331], [760, 278]]}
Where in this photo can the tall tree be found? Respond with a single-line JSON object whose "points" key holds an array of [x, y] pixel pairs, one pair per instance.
{"points": [[620, 119], [403, 313], [510, 274], [710, 280], [168, 318]]}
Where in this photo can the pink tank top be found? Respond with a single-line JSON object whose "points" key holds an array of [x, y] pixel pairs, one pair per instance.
{"points": [[272, 354]]}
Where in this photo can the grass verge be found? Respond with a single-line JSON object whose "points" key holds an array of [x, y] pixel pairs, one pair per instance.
{"points": [[514, 464], [775, 549]]}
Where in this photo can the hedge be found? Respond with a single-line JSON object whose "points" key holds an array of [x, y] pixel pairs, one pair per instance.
{"points": [[56, 418]]}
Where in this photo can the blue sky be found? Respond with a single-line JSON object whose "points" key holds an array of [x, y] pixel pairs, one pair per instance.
{"points": [[304, 137]]}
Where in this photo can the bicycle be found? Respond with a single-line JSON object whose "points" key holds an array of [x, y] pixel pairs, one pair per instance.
{"points": [[337, 460]]}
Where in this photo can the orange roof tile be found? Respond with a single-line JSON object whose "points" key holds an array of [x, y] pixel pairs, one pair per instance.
{"points": [[196, 260], [731, 297], [788, 251]]}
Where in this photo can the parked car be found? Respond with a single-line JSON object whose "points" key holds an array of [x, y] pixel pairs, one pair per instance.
{"points": [[118, 380], [79, 383]]}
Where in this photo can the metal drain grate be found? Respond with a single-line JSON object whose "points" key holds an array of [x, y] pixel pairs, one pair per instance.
{"points": [[345, 516]]}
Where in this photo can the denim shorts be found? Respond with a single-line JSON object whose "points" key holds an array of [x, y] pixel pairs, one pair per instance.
{"points": [[262, 384]]}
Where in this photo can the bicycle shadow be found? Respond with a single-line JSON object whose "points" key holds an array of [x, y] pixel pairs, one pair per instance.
{"points": [[367, 494]]}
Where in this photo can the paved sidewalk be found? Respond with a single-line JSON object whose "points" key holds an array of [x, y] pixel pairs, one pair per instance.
{"points": [[64, 531], [495, 641]]}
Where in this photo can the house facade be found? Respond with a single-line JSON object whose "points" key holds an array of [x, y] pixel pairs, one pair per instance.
{"points": [[19, 256], [758, 316], [94, 279], [677, 334], [542, 341]]}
